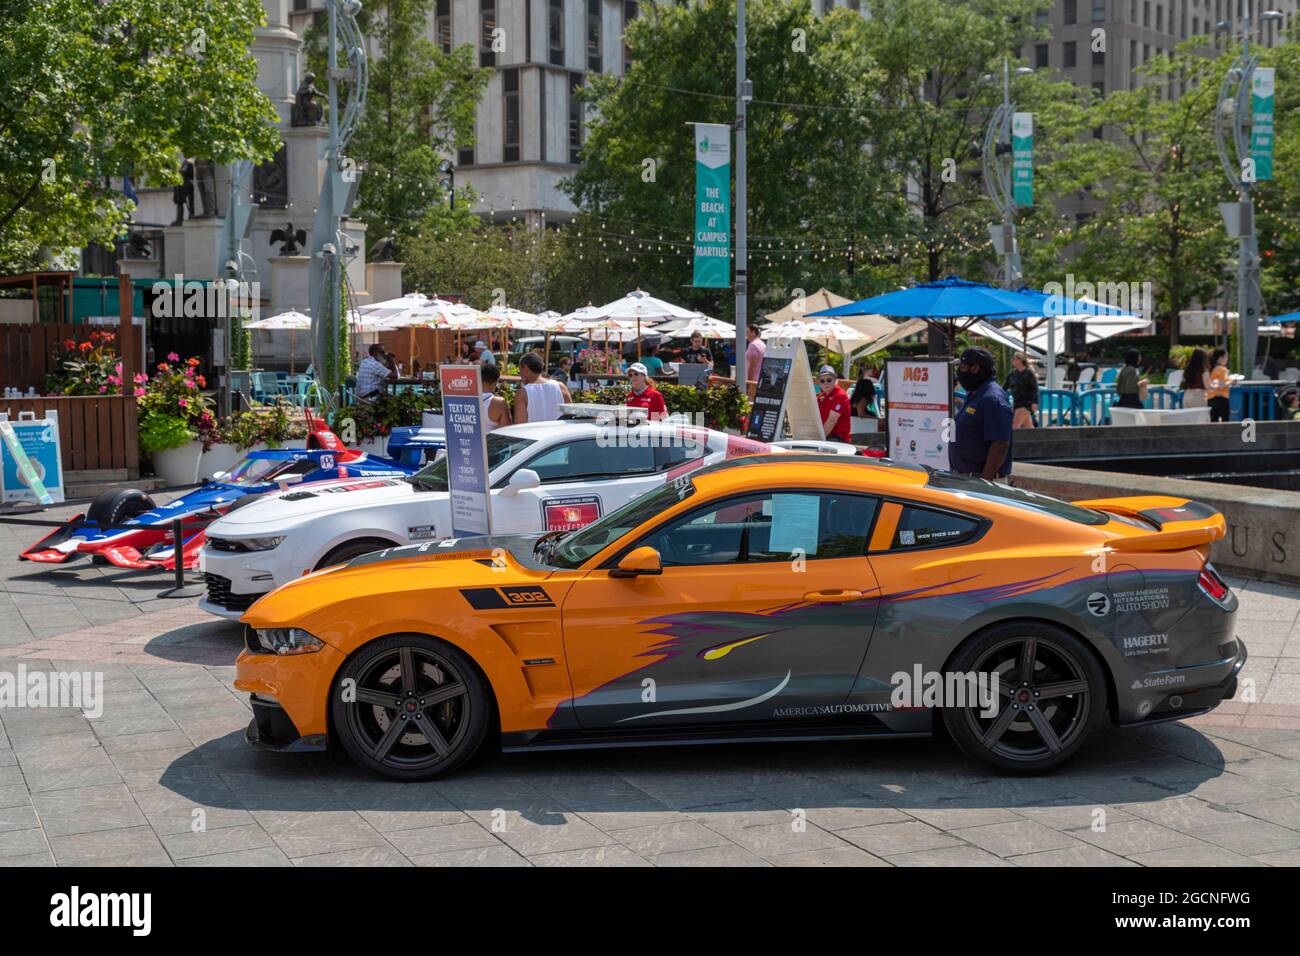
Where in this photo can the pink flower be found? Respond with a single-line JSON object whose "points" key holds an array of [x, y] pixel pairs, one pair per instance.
{"points": [[183, 402], [139, 392], [140, 378], [103, 389], [190, 383], [173, 357]]}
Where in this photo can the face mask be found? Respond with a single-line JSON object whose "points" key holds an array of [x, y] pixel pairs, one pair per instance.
{"points": [[971, 380]]}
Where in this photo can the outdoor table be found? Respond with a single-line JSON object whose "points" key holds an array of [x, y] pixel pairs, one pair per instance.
{"points": [[1159, 416]]}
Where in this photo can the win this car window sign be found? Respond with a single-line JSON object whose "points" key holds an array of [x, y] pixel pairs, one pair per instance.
{"points": [[467, 471]]}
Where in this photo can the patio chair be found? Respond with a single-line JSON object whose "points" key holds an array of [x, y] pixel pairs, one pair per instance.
{"points": [[1108, 375], [1175, 378], [1094, 406], [1087, 374]]}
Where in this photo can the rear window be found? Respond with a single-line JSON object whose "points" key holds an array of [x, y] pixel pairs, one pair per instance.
{"points": [[923, 528], [985, 490]]}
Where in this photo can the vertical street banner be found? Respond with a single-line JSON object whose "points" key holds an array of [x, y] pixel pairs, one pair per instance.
{"points": [[1022, 158], [1261, 122], [918, 397], [712, 206], [467, 470]]}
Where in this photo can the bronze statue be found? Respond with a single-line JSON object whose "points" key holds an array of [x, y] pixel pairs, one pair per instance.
{"points": [[306, 111], [384, 249]]}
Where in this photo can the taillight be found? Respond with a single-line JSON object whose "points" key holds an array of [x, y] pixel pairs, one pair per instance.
{"points": [[1212, 584]]}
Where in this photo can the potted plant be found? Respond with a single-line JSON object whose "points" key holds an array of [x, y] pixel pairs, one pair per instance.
{"points": [[86, 368], [173, 412], [367, 425]]}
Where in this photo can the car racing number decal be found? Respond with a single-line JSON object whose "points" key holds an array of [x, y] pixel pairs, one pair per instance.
{"points": [[486, 599], [570, 514]]}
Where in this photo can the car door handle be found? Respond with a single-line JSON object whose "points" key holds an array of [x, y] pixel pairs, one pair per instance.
{"points": [[832, 597]]}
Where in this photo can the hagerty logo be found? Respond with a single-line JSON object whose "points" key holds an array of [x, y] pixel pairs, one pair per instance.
{"points": [[75, 908], [1140, 645]]}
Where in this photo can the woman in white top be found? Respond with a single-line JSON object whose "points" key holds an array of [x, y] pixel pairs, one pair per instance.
{"points": [[538, 398], [496, 413]]}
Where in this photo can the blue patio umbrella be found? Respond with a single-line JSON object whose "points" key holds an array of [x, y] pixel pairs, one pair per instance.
{"points": [[1289, 317], [949, 298], [1052, 305]]}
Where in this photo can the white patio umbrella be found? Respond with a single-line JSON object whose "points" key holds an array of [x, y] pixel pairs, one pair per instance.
{"points": [[702, 325], [291, 321], [643, 308]]}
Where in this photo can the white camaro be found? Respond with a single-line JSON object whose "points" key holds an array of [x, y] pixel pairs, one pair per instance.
{"points": [[545, 476]]}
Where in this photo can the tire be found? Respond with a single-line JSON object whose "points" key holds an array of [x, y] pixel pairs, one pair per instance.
{"points": [[117, 505], [458, 716], [1042, 722], [352, 549]]}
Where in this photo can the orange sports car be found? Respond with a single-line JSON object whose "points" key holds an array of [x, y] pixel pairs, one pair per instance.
{"points": [[790, 597]]}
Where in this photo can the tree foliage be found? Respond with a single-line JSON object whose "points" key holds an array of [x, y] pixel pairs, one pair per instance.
{"points": [[94, 89]]}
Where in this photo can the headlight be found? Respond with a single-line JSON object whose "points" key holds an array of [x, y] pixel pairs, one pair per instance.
{"points": [[288, 640], [261, 544]]}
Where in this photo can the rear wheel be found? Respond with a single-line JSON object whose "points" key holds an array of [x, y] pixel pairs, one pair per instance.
{"points": [[117, 505], [1052, 694], [410, 707]]}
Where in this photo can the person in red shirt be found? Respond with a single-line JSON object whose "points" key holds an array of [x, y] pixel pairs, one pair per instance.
{"points": [[643, 393], [833, 404]]}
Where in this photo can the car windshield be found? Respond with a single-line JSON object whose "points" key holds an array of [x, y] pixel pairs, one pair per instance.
{"points": [[577, 546], [500, 449], [1018, 497], [257, 471]]}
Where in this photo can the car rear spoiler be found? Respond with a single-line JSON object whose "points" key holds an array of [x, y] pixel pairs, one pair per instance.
{"points": [[1179, 524]]}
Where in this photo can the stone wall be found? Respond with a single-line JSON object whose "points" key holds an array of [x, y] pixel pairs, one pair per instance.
{"points": [[1263, 539]]}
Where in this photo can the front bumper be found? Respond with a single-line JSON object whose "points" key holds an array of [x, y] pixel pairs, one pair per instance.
{"points": [[289, 696], [235, 580], [1203, 688]]}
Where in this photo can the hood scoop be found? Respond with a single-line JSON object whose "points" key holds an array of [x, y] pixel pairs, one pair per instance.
{"points": [[298, 496]]}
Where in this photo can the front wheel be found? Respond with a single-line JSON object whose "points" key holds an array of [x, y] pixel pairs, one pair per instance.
{"points": [[410, 707], [1051, 695]]}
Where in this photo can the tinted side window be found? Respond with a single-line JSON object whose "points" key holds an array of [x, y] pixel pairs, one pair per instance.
{"points": [[923, 528], [768, 527], [587, 459]]}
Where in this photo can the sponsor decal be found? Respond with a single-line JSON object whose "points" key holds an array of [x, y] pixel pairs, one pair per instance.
{"points": [[907, 537], [356, 486], [826, 710], [419, 532], [1143, 645], [486, 599], [1145, 599], [1098, 604], [327, 462], [569, 514], [1158, 681]]}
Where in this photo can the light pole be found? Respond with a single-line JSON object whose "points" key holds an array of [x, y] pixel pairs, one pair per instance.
{"points": [[744, 93], [338, 192], [997, 162], [1232, 121]]}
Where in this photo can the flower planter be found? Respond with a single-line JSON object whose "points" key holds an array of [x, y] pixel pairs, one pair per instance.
{"points": [[178, 466], [222, 457]]}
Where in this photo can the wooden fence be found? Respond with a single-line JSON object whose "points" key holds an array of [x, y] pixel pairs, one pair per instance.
{"points": [[29, 351], [95, 432]]}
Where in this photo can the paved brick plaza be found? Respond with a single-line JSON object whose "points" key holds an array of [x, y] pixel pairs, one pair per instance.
{"points": [[124, 789]]}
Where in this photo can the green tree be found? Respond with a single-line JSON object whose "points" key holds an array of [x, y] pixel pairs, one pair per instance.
{"points": [[1158, 180], [420, 107], [813, 179], [93, 89]]}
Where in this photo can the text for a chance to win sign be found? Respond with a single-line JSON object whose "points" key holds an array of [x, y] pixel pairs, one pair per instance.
{"points": [[918, 396], [467, 471]]}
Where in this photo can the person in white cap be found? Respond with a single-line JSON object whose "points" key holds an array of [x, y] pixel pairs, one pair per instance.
{"points": [[484, 355], [833, 406], [643, 393]]}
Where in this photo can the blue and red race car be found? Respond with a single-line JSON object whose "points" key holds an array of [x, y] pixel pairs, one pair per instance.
{"points": [[127, 528]]}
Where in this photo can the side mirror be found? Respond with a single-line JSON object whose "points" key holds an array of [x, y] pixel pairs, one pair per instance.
{"points": [[638, 561], [522, 480]]}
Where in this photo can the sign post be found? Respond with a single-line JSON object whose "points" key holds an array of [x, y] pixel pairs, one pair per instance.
{"points": [[712, 206], [918, 410], [467, 468]]}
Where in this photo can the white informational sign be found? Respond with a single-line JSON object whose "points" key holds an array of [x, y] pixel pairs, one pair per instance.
{"points": [[31, 462], [795, 524], [784, 392], [467, 467], [918, 394]]}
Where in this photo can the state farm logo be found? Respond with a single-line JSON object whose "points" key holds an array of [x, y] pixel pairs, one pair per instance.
{"points": [[461, 381], [916, 374]]}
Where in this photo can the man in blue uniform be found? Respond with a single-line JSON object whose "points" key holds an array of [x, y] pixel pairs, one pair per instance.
{"points": [[982, 443]]}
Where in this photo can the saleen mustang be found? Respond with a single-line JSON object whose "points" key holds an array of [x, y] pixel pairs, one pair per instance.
{"points": [[546, 476], [774, 597]]}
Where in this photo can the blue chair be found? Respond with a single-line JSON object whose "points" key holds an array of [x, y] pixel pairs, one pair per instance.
{"points": [[1056, 406], [1108, 376], [1094, 405]]}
